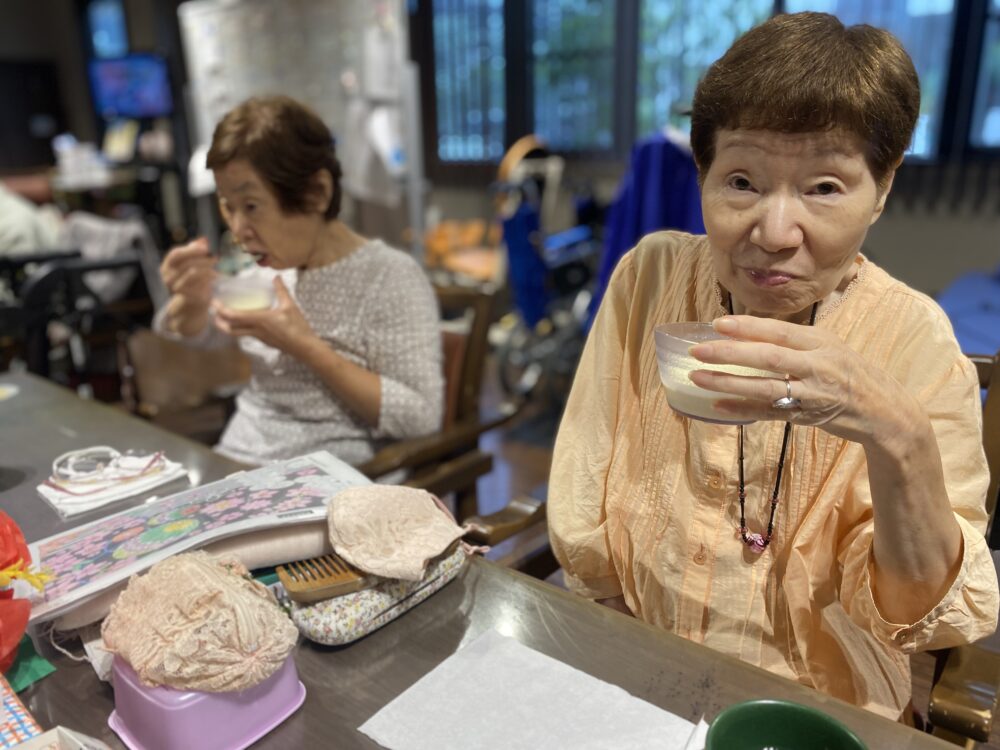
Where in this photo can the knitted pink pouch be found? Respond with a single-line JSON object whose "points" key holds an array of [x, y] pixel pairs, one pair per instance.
{"points": [[390, 531]]}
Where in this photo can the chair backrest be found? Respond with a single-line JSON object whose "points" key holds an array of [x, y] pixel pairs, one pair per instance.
{"points": [[528, 160], [16, 268], [164, 375], [453, 344], [988, 368], [465, 349]]}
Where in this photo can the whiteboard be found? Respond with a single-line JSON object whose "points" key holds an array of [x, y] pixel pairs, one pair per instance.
{"points": [[235, 49]]}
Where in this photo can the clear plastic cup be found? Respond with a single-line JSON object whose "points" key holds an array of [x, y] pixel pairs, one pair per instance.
{"points": [[673, 341], [245, 293]]}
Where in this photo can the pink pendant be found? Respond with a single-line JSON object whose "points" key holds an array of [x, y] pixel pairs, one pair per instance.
{"points": [[755, 542]]}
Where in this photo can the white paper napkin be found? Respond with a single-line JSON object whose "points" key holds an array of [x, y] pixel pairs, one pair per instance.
{"points": [[497, 694]]}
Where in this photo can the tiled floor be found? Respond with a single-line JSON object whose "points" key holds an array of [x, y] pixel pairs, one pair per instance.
{"points": [[522, 450]]}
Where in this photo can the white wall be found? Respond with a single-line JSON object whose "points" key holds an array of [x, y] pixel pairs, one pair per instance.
{"points": [[928, 249]]}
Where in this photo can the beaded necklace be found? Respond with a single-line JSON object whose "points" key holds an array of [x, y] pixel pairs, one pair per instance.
{"points": [[752, 539]]}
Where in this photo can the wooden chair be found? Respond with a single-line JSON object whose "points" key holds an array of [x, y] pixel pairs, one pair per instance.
{"points": [[169, 383], [450, 461], [518, 535], [966, 688], [182, 389]]}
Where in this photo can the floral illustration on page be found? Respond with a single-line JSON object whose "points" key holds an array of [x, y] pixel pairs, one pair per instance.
{"points": [[86, 560]]}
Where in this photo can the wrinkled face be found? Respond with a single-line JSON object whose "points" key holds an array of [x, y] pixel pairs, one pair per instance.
{"points": [[251, 210], [786, 215]]}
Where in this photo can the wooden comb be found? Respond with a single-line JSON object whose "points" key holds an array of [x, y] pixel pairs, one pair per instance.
{"points": [[321, 578]]}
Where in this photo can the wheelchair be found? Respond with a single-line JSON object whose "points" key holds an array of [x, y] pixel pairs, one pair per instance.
{"points": [[551, 278]]}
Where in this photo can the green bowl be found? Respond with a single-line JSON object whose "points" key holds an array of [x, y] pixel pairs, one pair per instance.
{"points": [[778, 725]]}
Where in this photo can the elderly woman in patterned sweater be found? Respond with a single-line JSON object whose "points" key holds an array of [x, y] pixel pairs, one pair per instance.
{"points": [[349, 356]]}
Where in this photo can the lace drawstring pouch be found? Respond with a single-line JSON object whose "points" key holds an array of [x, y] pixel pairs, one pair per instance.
{"points": [[197, 622], [404, 536]]}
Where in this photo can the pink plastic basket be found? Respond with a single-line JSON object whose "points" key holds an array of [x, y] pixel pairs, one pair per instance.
{"points": [[161, 718]]}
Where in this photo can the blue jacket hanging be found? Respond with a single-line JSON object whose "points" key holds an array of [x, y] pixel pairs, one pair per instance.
{"points": [[527, 272], [659, 191], [972, 303]]}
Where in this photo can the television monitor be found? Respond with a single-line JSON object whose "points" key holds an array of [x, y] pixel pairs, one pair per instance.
{"points": [[135, 86]]}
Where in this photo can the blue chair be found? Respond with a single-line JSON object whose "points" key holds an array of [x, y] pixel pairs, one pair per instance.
{"points": [[972, 303]]}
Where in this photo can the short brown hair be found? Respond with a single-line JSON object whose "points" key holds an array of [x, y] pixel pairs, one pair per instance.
{"points": [[806, 72], [286, 143]]}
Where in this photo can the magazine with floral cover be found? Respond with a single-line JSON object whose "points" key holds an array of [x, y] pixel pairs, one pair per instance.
{"points": [[87, 560]]}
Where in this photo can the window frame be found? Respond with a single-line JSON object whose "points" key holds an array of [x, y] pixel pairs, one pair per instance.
{"points": [[979, 16], [623, 57], [954, 138]]}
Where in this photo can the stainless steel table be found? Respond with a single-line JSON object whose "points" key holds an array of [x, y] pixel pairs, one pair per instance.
{"points": [[347, 685]]}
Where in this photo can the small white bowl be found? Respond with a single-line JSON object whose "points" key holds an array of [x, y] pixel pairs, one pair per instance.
{"points": [[673, 340], [245, 293]]}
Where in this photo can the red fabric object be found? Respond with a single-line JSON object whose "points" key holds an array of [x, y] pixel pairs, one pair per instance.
{"points": [[12, 544], [13, 612], [13, 622]]}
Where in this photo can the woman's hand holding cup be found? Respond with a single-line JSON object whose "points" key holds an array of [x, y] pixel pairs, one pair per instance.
{"points": [[282, 326]]}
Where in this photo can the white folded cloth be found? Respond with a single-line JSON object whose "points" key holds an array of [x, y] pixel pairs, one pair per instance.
{"points": [[132, 475]]}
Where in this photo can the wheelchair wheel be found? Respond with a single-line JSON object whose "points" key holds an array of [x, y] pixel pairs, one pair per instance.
{"points": [[518, 368]]}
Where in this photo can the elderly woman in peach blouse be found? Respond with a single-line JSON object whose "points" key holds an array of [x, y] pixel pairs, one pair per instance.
{"points": [[841, 529]]}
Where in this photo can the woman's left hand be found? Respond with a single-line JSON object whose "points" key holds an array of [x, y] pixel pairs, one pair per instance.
{"points": [[283, 326], [839, 391]]}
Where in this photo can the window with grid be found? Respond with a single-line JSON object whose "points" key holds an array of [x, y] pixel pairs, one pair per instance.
{"points": [[985, 131], [678, 40], [573, 67], [504, 68], [925, 28], [469, 79]]}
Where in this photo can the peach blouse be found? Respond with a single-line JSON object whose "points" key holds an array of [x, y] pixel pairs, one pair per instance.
{"points": [[643, 503]]}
